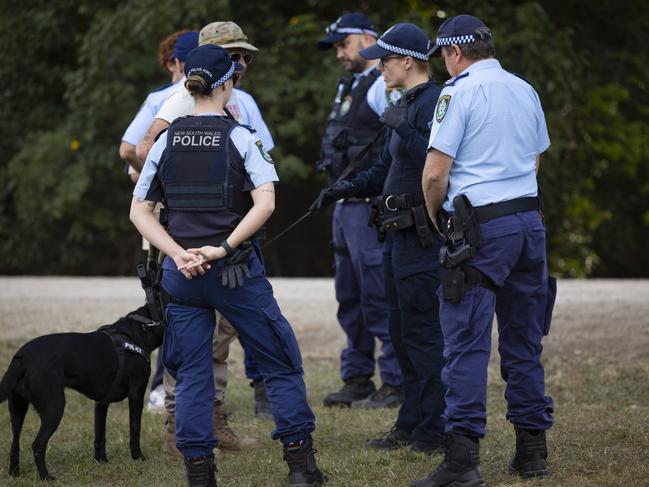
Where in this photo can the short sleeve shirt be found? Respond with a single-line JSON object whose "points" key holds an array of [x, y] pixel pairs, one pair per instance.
{"points": [[491, 123], [258, 164], [241, 105], [142, 121]]}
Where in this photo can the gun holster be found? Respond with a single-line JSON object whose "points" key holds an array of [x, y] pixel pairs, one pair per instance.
{"points": [[374, 220]]}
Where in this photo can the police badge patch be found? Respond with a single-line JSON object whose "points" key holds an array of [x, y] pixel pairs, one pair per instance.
{"points": [[263, 152], [346, 105], [442, 107]]}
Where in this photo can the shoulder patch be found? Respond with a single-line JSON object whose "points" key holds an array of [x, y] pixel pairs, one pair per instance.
{"points": [[263, 152], [442, 107]]}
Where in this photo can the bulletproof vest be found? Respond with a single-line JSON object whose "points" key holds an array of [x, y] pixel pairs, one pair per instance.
{"points": [[404, 176], [204, 183], [352, 124]]}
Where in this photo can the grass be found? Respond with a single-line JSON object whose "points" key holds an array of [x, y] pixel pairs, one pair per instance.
{"points": [[601, 437]]}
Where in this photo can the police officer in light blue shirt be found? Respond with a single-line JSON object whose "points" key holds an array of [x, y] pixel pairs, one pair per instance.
{"points": [[174, 62], [217, 185], [487, 134]]}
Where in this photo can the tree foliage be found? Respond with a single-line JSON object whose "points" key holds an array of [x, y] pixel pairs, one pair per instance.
{"points": [[74, 74]]}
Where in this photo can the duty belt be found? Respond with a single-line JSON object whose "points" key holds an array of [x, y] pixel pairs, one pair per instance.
{"points": [[486, 213], [394, 202]]}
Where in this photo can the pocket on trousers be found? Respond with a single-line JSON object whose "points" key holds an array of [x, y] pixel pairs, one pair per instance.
{"points": [[549, 304], [284, 334]]}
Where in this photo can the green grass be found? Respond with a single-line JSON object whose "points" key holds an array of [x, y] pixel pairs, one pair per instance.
{"points": [[601, 437]]}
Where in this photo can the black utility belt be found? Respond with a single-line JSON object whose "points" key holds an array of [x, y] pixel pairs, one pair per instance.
{"points": [[356, 200], [485, 213], [394, 202], [399, 220]]}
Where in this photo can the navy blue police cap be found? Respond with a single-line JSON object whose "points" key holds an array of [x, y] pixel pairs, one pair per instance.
{"points": [[461, 29], [354, 23], [184, 44], [401, 39], [212, 63]]}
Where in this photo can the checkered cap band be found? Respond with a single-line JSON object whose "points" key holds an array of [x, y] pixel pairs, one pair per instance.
{"points": [[403, 52], [224, 78], [334, 29], [448, 41]]}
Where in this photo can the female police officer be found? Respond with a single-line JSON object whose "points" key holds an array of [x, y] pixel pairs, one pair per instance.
{"points": [[411, 249], [216, 182]]}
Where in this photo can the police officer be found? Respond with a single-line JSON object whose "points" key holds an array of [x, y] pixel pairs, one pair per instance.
{"points": [[244, 109], [362, 311], [217, 184], [487, 135], [411, 246], [172, 53]]}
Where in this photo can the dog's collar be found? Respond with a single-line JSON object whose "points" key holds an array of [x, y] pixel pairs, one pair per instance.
{"points": [[148, 322]]}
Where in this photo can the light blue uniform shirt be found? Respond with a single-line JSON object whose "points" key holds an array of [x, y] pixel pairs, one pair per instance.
{"points": [[257, 162], [491, 123], [142, 121]]}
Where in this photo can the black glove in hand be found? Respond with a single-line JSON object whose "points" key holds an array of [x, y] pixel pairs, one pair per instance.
{"points": [[342, 189], [395, 117], [235, 267]]}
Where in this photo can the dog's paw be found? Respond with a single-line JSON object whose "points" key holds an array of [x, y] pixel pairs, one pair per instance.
{"points": [[138, 456], [48, 478], [101, 458], [14, 471]]}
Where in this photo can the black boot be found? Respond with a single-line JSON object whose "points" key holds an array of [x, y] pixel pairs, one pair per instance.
{"points": [[531, 452], [386, 397], [200, 472], [393, 440], [354, 389], [262, 404], [460, 468], [302, 468]]}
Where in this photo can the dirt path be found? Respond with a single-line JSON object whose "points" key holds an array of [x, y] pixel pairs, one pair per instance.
{"points": [[609, 317]]}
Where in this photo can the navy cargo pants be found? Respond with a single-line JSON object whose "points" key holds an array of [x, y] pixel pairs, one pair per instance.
{"points": [[360, 292], [513, 256], [411, 279], [268, 337]]}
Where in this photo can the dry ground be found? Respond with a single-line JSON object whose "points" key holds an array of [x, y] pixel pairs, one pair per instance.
{"points": [[597, 361]]}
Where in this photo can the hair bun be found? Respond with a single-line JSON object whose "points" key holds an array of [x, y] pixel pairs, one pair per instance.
{"points": [[196, 85]]}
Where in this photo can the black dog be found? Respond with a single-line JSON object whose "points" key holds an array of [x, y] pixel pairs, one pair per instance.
{"points": [[107, 365]]}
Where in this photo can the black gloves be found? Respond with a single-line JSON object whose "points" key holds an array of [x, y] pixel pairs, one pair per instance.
{"points": [[236, 265], [342, 189], [396, 118]]}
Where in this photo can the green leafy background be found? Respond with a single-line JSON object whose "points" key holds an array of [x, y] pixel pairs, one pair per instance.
{"points": [[75, 72]]}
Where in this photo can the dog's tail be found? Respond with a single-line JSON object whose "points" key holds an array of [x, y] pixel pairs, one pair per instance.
{"points": [[14, 373]]}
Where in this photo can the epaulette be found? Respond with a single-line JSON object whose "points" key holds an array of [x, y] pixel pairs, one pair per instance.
{"points": [[523, 78], [163, 87], [249, 128], [452, 81]]}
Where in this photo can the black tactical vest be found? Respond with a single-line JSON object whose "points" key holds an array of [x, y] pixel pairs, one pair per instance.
{"points": [[352, 124], [204, 182], [404, 176]]}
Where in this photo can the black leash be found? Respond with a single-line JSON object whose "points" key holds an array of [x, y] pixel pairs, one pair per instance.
{"points": [[352, 166]]}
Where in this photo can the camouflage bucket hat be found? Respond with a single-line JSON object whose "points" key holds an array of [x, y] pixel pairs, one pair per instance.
{"points": [[224, 34]]}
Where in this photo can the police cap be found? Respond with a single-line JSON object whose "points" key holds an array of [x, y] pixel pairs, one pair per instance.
{"points": [[212, 63], [184, 44], [401, 39], [461, 29], [353, 23]]}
